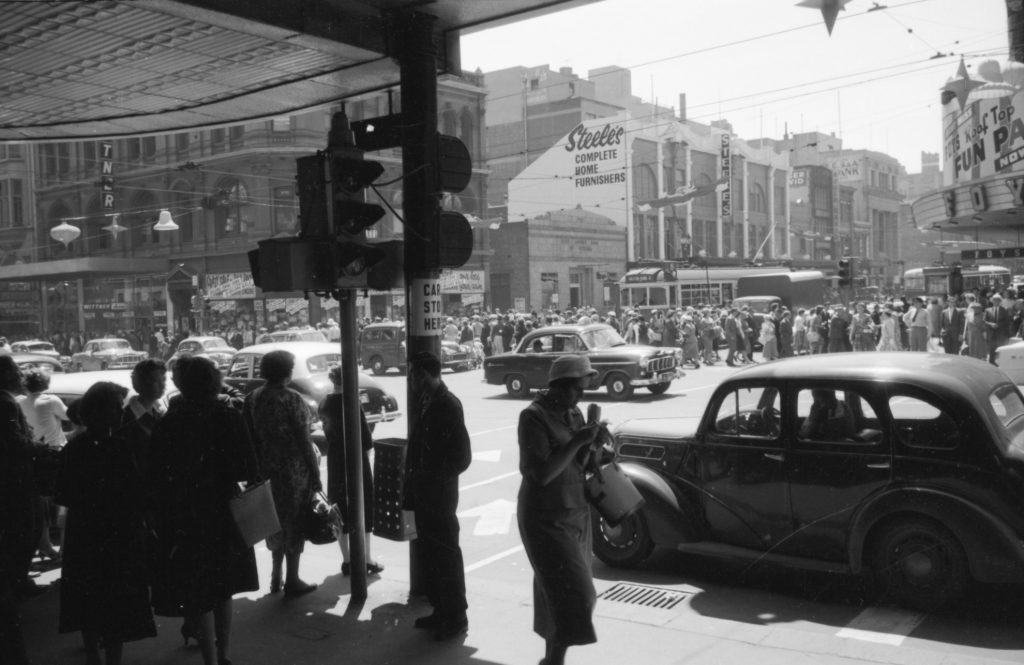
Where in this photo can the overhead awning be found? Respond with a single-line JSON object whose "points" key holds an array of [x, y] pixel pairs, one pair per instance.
{"points": [[64, 269], [107, 68]]}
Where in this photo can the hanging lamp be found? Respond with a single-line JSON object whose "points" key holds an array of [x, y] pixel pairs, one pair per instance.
{"points": [[165, 223]]}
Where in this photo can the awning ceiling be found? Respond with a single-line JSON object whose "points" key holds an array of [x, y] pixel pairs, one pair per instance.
{"points": [[84, 70], [81, 267]]}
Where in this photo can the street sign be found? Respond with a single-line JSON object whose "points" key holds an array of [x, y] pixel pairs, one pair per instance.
{"points": [[986, 254]]}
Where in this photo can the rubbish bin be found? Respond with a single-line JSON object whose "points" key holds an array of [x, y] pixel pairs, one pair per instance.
{"points": [[389, 519]]}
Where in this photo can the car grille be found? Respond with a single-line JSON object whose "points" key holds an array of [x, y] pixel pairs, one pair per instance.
{"points": [[662, 364]]}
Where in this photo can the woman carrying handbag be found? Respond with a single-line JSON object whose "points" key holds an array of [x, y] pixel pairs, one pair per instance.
{"points": [[199, 454]]}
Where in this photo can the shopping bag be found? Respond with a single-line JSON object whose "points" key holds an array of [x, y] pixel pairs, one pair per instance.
{"points": [[611, 491], [254, 513]]}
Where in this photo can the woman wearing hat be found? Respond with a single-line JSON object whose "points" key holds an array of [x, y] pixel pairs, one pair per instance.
{"points": [[554, 516]]}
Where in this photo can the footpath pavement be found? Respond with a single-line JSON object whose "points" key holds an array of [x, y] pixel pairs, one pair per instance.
{"points": [[324, 628]]}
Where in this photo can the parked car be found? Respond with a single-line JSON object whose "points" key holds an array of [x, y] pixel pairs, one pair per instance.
{"points": [[382, 347], [106, 353], [309, 378], [47, 363], [214, 348], [295, 335], [621, 367], [915, 476], [37, 346]]}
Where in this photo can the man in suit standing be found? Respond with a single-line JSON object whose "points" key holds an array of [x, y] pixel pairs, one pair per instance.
{"points": [[951, 326], [997, 321], [439, 450]]}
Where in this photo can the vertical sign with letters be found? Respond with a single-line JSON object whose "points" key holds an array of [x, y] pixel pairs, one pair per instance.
{"points": [[107, 175], [427, 312], [726, 155]]}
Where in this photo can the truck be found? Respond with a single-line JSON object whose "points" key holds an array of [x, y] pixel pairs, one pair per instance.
{"points": [[803, 288]]}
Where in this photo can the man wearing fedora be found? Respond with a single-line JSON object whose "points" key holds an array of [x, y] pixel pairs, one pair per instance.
{"points": [[439, 450]]}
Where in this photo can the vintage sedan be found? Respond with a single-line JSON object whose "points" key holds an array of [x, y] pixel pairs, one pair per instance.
{"points": [[46, 363], [1010, 359], [293, 335], [37, 346], [621, 367], [214, 348], [106, 353], [309, 378], [906, 467]]}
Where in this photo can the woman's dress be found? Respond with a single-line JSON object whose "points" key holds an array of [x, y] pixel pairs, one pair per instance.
{"points": [[104, 583], [974, 334], [199, 453], [554, 523], [337, 481], [278, 420]]}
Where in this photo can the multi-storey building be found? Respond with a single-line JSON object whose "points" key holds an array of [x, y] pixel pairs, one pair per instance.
{"points": [[225, 188]]}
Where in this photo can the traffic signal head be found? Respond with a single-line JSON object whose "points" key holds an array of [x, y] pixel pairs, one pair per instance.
{"points": [[846, 271], [956, 281], [350, 176]]}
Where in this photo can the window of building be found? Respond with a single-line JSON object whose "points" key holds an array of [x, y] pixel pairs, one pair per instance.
{"points": [[231, 218], [63, 159], [218, 139], [149, 148], [534, 84], [758, 202], [48, 158], [286, 211], [181, 143], [10, 203], [133, 149], [236, 136]]}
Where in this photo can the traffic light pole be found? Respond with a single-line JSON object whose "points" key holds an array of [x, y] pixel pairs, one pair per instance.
{"points": [[417, 60]]}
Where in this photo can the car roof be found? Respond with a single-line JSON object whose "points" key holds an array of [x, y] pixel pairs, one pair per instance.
{"points": [[201, 338], [32, 341], [76, 383], [961, 375], [299, 349], [572, 328], [35, 358]]}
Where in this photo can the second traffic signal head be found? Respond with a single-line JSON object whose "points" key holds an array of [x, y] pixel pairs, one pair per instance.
{"points": [[350, 176], [846, 271]]}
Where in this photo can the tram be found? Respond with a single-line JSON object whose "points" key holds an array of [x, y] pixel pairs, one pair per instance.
{"points": [[934, 281], [661, 287]]}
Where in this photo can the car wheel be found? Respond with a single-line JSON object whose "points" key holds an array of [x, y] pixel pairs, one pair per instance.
{"points": [[659, 388], [377, 365], [626, 545], [516, 386], [618, 387], [919, 564]]}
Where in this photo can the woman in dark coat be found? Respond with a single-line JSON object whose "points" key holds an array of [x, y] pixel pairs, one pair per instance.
{"points": [[337, 482], [104, 590], [554, 516], [278, 422], [199, 452]]}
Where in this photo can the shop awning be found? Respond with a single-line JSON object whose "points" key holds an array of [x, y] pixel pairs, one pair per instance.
{"points": [[91, 69], [81, 267]]}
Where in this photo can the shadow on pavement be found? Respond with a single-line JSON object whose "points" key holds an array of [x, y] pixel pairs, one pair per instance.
{"points": [[989, 617]]}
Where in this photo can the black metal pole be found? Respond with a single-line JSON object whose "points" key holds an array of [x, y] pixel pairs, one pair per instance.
{"points": [[353, 442], [417, 59]]}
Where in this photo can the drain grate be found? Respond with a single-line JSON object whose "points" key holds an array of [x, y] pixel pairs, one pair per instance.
{"points": [[646, 596]]}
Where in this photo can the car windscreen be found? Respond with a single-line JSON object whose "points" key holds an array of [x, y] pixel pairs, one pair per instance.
{"points": [[602, 338], [320, 364], [1008, 406], [114, 344], [217, 343]]}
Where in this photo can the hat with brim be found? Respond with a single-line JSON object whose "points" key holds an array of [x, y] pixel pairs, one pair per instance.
{"points": [[570, 367]]}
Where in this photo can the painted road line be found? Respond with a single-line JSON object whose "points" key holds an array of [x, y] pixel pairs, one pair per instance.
{"points": [[495, 517], [491, 559], [489, 480], [882, 625], [487, 456], [491, 431]]}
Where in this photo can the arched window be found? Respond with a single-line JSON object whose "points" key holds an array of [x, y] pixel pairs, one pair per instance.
{"points": [[758, 201], [449, 121]]}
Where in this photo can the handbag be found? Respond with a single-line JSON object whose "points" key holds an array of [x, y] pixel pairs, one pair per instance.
{"points": [[611, 491], [254, 513], [321, 523]]}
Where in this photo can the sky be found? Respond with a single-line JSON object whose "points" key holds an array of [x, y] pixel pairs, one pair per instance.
{"points": [[769, 65]]}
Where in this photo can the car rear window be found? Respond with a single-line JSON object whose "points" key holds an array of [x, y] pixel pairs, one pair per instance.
{"points": [[320, 364]]}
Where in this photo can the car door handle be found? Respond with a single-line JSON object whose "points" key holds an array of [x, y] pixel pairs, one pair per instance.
{"points": [[880, 465], [778, 457]]}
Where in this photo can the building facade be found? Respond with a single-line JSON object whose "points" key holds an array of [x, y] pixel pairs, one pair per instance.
{"points": [[224, 188]]}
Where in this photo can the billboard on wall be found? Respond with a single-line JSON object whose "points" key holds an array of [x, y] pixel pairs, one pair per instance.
{"points": [[845, 169], [585, 169], [984, 137]]}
